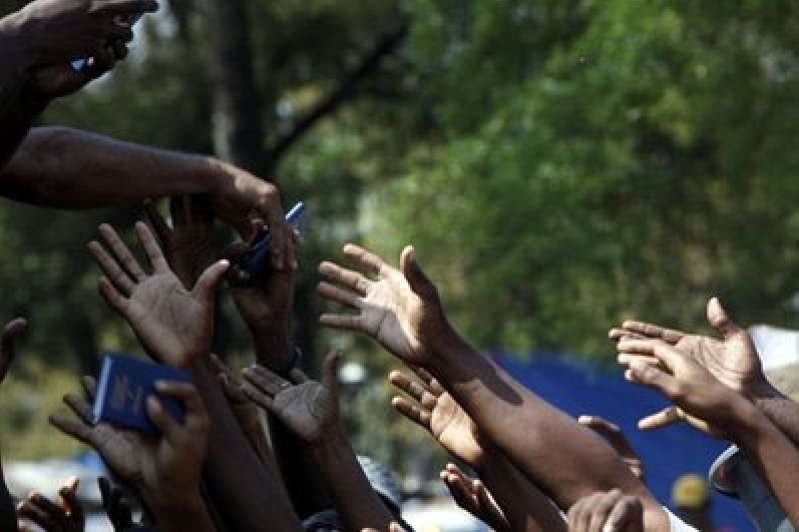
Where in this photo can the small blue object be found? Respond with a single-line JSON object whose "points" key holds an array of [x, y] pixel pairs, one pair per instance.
{"points": [[122, 390], [79, 65]]}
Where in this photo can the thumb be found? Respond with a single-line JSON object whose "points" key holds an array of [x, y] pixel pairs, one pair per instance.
{"points": [[718, 319], [417, 279], [206, 285], [330, 372]]}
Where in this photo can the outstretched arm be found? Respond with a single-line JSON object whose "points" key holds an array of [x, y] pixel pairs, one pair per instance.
{"points": [[39, 41], [523, 505], [175, 325], [309, 409], [706, 403], [73, 169], [402, 311], [732, 358]]}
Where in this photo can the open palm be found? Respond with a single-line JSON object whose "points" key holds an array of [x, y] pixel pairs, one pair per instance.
{"points": [[399, 309], [173, 323], [732, 359], [436, 411]]}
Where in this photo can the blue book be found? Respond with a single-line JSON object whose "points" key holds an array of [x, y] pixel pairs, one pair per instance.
{"points": [[122, 390]]}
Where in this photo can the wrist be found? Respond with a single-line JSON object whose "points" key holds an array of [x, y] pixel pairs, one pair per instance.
{"points": [[330, 443]]}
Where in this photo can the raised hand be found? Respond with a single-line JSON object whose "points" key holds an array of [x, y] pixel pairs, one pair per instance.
{"points": [[398, 308], [428, 405], [473, 496], [616, 438], [698, 397], [174, 324], [189, 244], [607, 512], [56, 32], [164, 469], [66, 516], [732, 359], [266, 309], [307, 408]]}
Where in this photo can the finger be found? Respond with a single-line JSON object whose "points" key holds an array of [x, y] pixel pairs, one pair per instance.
{"points": [[170, 429], [73, 428], [265, 380], [600, 425], [403, 382], [111, 269], [412, 411], [650, 330], [341, 321], [28, 510], [119, 49], [339, 295], [89, 386], [124, 257], [8, 339], [196, 421], [617, 334], [417, 279], [366, 259], [297, 376], [112, 297], [209, 280], [719, 319], [232, 389], [601, 510], [663, 418], [46, 508], [157, 221], [627, 512], [80, 407], [127, 8], [425, 376], [345, 277], [151, 248], [221, 367], [330, 373], [258, 397], [102, 58], [278, 231], [626, 358], [652, 348], [69, 500]]}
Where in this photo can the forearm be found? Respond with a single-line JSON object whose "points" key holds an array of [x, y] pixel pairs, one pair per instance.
{"points": [[18, 107], [525, 506], [73, 169], [176, 514], [353, 497], [566, 460], [235, 475], [300, 474], [773, 455], [781, 410]]}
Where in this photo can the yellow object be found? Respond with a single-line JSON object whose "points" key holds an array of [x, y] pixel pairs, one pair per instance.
{"points": [[690, 491]]}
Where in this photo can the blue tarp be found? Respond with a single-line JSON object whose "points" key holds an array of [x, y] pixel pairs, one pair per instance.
{"points": [[582, 388]]}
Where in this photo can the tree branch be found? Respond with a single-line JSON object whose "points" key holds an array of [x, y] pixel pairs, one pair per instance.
{"points": [[385, 46]]}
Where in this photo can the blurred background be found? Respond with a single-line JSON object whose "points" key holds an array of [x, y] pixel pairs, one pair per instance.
{"points": [[560, 165]]}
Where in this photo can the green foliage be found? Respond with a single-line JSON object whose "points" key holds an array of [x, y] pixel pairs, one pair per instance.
{"points": [[560, 165]]}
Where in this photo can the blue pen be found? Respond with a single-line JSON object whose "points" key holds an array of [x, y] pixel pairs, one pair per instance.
{"points": [[256, 262]]}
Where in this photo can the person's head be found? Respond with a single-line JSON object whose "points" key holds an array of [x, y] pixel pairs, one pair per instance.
{"points": [[690, 497]]}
